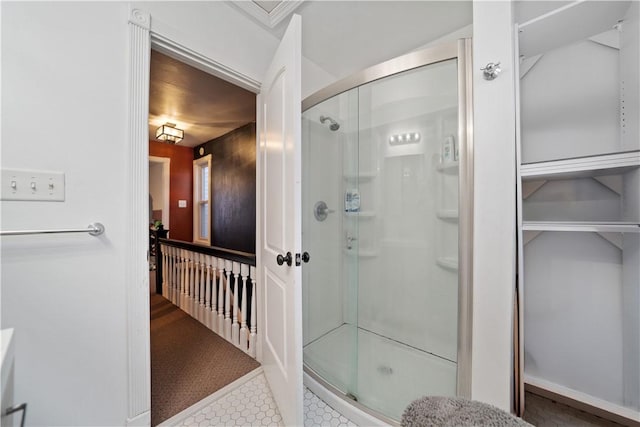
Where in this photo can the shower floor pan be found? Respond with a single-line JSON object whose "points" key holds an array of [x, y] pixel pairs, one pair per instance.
{"points": [[382, 374]]}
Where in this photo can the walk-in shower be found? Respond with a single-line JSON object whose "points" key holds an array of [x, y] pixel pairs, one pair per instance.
{"points": [[387, 211]]}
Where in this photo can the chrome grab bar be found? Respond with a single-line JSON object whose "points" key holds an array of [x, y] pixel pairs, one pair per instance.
{"points": [[94, 229]]}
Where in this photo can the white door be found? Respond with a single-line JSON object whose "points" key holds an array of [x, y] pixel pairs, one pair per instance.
{"points": [[279, 158]]}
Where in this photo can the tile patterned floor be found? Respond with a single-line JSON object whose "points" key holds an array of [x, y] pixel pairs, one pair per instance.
{"points": [[252, 404], [318, 413]]}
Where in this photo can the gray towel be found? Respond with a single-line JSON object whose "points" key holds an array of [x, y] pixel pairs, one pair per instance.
{"points": [[456, 412]]}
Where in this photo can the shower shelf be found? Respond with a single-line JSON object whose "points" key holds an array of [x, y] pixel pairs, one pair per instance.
{"points": [[447, 263], [592, 226], [369, 253], [447, 167], [447, 214], [365, 176], [361, 214]]}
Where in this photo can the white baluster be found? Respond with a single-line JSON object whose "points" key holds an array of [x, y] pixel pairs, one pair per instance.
{"points": [[203, 272], [207, 292], [221, 288], [244, 332], [235, 326], [213, 321], [183, 278], [192, 282], [174, 275], [253, 335], [196, 286], [228, 266], [165, 270]]}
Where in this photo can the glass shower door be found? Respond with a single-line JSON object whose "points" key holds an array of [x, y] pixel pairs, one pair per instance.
{"points": [[408, 224], [330, 235]]}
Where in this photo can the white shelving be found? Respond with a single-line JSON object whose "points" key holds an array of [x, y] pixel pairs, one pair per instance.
{"points": [[579, 167], [595, 227], [583, 18], [579, 188]]}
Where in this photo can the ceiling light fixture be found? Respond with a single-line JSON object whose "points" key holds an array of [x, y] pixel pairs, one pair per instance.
{"points": [[170, 133]]}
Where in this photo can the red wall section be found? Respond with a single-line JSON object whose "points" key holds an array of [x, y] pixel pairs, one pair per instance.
{"points": [[181, 182]]}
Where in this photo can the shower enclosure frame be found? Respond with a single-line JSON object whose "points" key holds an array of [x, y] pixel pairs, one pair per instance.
{"points": [[462, 51]]}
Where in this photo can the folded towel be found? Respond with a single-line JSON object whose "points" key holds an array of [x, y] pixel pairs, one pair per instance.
{"points": [[456, 412]]}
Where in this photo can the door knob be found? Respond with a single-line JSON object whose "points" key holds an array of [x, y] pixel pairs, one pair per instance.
{"points": [[280, 259], [305, 257]]}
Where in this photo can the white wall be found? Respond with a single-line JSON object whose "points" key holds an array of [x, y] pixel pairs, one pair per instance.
{"points": [[64, 82], [494, 217], [64, 70]]}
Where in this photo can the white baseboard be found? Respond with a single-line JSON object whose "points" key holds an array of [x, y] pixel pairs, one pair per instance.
{"points": [[142, 420]]}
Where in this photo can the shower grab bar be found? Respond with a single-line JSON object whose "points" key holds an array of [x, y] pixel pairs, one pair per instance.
{"points": [[95, 229]]}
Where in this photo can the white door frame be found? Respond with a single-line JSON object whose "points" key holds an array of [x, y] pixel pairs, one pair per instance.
{"points": [[141, 40], [165, 162]]}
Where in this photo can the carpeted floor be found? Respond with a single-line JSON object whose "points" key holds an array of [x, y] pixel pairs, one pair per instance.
{"points": [[188, 361]]}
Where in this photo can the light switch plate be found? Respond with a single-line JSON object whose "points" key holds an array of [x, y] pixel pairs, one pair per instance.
{"points": [[30, 185]]}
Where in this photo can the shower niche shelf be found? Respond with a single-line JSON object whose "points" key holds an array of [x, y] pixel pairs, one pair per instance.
{"points": [[448, 263], [361, 214], [448, 167], [447, 214], [362, 176]]}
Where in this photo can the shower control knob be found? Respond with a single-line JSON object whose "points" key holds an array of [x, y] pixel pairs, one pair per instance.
{"points": [[280, 259]]}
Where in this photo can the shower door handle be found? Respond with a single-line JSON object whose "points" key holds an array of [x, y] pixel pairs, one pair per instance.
{"points": [[288, 258]]}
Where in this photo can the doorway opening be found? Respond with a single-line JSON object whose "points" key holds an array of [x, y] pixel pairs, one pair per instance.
{"points": [[191, 357]]}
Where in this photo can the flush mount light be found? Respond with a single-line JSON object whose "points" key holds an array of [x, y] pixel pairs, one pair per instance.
{"points": [[404, 138], [170, 133]]}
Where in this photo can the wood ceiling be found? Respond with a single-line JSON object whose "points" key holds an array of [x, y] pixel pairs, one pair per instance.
{"points": [[204, 106]]}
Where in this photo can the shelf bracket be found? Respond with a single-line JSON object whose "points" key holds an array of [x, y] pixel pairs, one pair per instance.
{"points": [[612, 182], [609, 38], [526, 64], [528, 236], [614, 238], [530, 187]]}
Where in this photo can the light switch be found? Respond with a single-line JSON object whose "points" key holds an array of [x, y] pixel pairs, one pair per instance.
{"points": [[18, 184], [182, 203]]}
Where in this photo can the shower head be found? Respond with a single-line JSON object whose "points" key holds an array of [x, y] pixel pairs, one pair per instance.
{"points": [[333, 126]]}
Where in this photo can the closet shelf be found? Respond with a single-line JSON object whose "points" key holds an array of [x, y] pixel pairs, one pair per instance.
{"points": [[568, 24], [448, 263], [605, 164], [449, 214], [590, 226]]}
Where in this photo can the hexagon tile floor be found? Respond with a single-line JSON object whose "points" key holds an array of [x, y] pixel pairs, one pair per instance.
{"points": [[251, 404]]}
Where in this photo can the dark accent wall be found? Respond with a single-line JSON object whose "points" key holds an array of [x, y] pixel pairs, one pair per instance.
{"points": [[181, 188], [233, 188]]}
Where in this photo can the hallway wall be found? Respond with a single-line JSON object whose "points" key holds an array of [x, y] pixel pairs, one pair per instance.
{"points": [[181, 187]]}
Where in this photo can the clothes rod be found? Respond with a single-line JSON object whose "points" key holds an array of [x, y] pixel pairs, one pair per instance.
{"points": [[94, 229]]}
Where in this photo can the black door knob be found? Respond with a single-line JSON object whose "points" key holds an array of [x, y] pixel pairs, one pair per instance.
{"points": [[280, 259], [305, 257]]}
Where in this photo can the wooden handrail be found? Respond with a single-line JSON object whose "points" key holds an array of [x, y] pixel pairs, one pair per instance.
{"points": [[238, 256]]}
